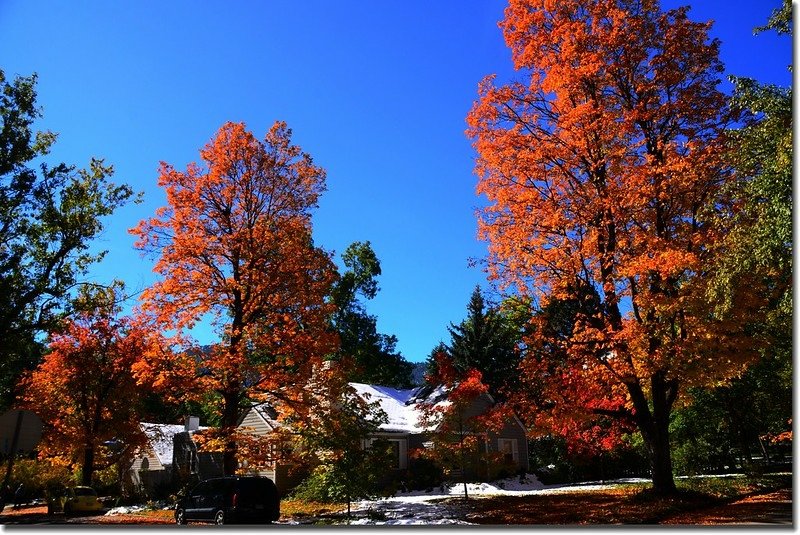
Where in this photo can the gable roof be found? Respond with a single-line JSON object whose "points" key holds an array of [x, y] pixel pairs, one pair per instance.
{"points": [[266, 412], [400, 406], [160, 438]]}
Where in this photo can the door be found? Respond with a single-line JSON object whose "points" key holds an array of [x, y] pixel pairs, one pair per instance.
{"points": [[194, 502]]}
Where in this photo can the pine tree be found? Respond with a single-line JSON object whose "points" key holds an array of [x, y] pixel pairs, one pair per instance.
{"points": [[487, 342]]}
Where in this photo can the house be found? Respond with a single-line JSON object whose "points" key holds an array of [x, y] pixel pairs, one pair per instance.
{"points": [[152, 463], [403, 429]]}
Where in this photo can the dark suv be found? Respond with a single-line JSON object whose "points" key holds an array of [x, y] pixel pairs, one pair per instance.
{"points": [[234, 499]]}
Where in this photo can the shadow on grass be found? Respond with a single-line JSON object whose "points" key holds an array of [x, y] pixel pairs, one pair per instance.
{"points": [[624, 505]]}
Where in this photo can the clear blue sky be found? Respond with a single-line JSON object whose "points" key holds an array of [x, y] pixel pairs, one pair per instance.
{"points": [[376, 92]]}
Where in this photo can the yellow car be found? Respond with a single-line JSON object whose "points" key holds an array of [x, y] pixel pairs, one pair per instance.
{"points": [[76, 500]]}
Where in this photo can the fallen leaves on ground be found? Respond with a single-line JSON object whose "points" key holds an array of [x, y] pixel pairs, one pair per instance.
{"points": [[628, 506]]}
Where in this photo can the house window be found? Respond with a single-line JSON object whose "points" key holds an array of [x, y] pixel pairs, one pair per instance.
{"points": [[394, 447], [508, 448], [399, 451]]}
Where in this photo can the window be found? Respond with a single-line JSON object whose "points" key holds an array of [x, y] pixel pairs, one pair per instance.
{"points": [[508, 447], [394, 447], [399, 449]]}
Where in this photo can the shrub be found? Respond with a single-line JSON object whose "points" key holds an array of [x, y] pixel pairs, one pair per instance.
{"points": [[38, 477], [424, 474]]}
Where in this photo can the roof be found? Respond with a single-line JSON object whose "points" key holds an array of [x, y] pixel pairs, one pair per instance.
{"points": [[160, 438], [401, 406], [268, 413]]}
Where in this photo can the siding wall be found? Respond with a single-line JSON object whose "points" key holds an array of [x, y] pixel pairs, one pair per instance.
{"points": [[282, 474], [255, 423]]}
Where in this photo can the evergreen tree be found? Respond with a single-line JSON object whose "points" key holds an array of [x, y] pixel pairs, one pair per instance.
{"points": [[486, 341]]}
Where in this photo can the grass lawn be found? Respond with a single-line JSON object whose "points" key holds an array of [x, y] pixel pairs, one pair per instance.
{"points": [[627, 504]]}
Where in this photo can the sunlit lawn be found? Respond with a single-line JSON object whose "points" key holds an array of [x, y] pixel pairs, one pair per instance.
{"points": [[626, 504], [291, 508]]}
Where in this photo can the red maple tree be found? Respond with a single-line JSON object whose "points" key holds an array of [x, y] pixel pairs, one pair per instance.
{"points": [[85, 390], [603, 169], [457, 428]]}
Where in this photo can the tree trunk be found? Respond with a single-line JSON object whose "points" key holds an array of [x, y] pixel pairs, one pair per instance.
{"points": [[661, 461], [654, 426], [230, 417], [461, 454], [87, 470]]}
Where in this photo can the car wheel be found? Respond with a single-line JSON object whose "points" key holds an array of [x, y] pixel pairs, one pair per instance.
{"points": [[219, 518], [180, 516]]}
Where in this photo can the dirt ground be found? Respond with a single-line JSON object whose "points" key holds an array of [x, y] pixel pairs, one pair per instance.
{"points": [[577, 508]]}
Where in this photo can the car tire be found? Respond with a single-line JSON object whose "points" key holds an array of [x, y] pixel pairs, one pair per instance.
{"points": [[180, 516], [219, 517]]}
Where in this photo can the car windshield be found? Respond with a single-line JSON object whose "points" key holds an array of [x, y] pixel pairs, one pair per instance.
{"points": [[85, 491]]}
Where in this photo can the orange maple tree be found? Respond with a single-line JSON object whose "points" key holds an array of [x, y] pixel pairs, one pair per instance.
{"points": [[234, 249], [86, 393], [603, 167]]}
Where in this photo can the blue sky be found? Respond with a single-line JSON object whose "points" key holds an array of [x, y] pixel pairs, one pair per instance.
{"points": [[376, 92]]}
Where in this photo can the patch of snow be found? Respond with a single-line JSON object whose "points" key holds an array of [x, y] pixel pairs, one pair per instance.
{"points": [[402, 417], [124, 510], [432, 508], [401, 406]]}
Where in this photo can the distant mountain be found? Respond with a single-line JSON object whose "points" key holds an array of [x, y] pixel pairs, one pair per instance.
{"points": [[418, 373]]}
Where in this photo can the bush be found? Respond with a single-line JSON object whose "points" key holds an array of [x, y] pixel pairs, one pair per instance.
{"points": [[38, 477], [423, 474]]}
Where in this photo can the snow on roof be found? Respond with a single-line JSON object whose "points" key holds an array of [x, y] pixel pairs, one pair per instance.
{"points": [[401, 414], [268, 414], [160, 438], [401, 406]]}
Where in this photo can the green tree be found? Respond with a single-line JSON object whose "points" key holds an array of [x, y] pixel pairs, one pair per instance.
{"points": [[757, 254], [48, 217], [487, 341], [759, 232], [376, 358], [731, 424], [345, 467]]}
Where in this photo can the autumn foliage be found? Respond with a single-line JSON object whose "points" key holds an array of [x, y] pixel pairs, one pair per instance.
{"points": [[234, 248], [86, 393], [603, 168], [458, 432]]}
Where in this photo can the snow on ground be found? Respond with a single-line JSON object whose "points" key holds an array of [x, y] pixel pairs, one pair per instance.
{"points": [[125, 510], [429, 508]]}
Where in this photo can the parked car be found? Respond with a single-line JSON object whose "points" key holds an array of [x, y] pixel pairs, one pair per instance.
{"points": [[229, 500], [75, 500]]}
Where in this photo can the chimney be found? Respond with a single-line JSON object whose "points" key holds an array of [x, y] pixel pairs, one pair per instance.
{"points": [[191, 423]]}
